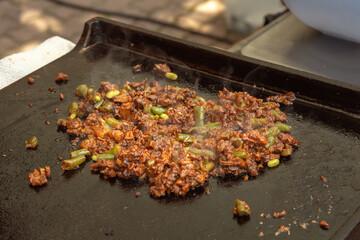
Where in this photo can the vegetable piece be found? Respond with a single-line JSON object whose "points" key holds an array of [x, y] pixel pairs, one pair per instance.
{"points": [[73, 108], [31, 143], [258, 122], [241, 154], [270, 141], [204, 152], [107, 107], [97, 97], [154, 117], [241, 208], [105, 156], [126, 87], [98, 103], [73, 163], [112, 122], [272, 132], [82, 90], [199, 115], [112, 94], [276, 114], [157, 110], [186, 138], [91, 91], [283, 127], [171, 76], [73, 116], [79, 152], [273, 163], [115, 150], [237, 141], [104, 123], [213, 125], [61, 122], [209, 166], [164, 116]]}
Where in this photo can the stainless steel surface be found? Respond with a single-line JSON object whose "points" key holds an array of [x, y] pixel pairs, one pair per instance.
{"points": [[289, 42]]}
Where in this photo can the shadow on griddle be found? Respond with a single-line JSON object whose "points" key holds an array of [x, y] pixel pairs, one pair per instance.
{"points": [[242, 219], [189, 197], [38, 188]]}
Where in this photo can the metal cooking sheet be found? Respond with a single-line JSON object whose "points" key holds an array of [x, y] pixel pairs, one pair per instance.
{"points": [[81, 205]]}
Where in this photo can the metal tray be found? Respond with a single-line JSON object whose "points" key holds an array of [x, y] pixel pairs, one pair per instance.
{"points": [[80, 205]]}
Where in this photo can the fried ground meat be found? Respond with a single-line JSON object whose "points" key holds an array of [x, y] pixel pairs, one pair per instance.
{"points": [[324, 225], [39, 176], [279, 214], [30, 80], [175, 139], [286, 98], [61, 77], [137, 68]]}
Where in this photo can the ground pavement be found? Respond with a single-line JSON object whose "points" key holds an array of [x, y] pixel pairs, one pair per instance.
{"points": [[26, 23]]}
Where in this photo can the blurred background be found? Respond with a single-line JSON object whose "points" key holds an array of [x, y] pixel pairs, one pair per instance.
{"points": [[27, 23]]}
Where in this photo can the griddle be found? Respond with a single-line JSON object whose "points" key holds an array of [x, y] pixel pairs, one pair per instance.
{"points": [[77, 204]]}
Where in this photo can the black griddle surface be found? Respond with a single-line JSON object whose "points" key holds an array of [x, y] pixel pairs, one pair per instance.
{"points": [[82, 205]]}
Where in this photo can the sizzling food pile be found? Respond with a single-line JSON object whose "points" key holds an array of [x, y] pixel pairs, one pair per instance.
{"points": [[173, 138]]}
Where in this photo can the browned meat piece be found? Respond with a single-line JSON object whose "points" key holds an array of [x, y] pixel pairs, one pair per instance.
{"points": [[286, 98], [279, 214], [52, 89], [137, 68], [324, 224], [324, 179], [30, 80], [61, 77], [161, 68], [39, 176]]}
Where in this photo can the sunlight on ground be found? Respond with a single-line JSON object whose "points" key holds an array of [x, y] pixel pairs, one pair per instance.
{"points": [[28, 46], [39, 21]]}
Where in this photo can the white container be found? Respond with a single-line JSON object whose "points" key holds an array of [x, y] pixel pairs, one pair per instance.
{"points": [[246, 15], [338, 18]]}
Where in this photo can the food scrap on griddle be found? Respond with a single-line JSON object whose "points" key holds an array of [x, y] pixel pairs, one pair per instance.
{"points": [[31, 143], [61, 78], [241, 208], [39, 176]]}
